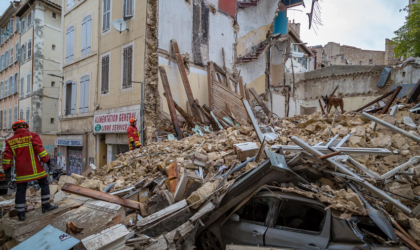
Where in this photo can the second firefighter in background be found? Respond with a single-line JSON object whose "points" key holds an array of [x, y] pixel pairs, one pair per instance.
{"points": [[133, 135]]}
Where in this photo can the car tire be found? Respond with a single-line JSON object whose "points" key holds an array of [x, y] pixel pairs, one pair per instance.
{"points": [[209, 241]]}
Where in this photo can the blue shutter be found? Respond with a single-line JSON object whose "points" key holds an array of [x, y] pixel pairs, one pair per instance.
{"points": [[73, 97]]}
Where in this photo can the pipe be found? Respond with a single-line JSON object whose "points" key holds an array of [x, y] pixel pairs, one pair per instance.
{"points": [[392, 127], [242, 165], [343, 168]]}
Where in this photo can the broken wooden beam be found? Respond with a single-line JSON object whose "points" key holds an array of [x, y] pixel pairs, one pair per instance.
{"points": [[171, 105], [330, 155], [213, 116], [184, 114], [213, 123], [391, 99], [374, 101], [260, 102], [322, 108], [98, 195], [185, 80]]}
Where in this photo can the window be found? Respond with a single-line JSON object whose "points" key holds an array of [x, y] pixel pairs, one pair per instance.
{"points": [[52, 120], [27, 115], [11, 55], [52, 84], [105, 74], [1, 90], [11, 26], [5, 119], [127, 66], [16, 81], [370, 61], [128, 8], [29, 18], [84, 95], [10, 117], [70, 44], [21, 114], [7, 59], [54, 15], [23, 51], [22, 24], [106, 15], [28, 83], [1, 119], [70, 4], [15, 114], [255, 211], [1, 63], [86, 34], [301, 216], [53, 47], [1, 36], [22, 84], [12, 85], [29, 48], [6, 88], [17, 51], [70, 98]]}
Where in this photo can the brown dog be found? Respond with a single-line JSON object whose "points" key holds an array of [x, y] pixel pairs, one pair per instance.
{"points": [[333, 101]]}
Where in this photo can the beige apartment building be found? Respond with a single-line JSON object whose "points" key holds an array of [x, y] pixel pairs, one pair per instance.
{"points": [[9, 70], [98, 95], [38, 54]]}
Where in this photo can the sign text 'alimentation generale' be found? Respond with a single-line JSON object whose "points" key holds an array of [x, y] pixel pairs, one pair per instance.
{"points": [[113, 123]]}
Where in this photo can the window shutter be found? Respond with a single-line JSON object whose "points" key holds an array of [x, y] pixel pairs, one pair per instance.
{"points": [[28, 83], [7, 58], [19, 26], [11, 26], [11, 55], [73, 98], [82, 96], [69, 44], [6, 88], [87, 34], [105, 74], [21, 114], [12, 85], [22, 83], [18, 51], [16, 113], [5, 119], [84, 34], [10, 117], [29, 49], [86, 91], [27, 115], [1, 119], [1, 91]]}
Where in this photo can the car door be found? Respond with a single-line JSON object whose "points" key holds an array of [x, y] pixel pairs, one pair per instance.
{"points": [[300, 225], [251, 223]]}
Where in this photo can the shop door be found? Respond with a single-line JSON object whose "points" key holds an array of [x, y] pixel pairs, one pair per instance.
{"points": [[76, 162]]}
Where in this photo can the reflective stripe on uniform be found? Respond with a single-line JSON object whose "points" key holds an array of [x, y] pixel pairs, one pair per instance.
{"points": [[45, 196], [20, 209], [45, 202], [6, 161], [20, 205], [43, 153], [31, 150], [29, 177], [130, 139], [137, 143]]}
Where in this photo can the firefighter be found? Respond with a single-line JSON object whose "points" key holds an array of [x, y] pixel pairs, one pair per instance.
{"points": [[27, 150], [133, 135]]}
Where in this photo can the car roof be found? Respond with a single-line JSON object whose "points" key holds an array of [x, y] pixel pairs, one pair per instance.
{"points": [[290, 196]]}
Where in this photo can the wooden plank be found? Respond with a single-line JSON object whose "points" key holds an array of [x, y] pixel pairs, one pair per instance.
{"points": [[171, 105], [391, 100], [262, 104], [75, 189], [406, 240], [241, 87], [151, 219], [186, 116], [204, 210], [374, 101], [330, 155], [207, 108], [322, 109], [185, 80], [213, 124], [209, 83], [220, 95]]}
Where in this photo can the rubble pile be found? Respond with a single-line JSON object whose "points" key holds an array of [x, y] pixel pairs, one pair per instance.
{"points": [[169, 187]]}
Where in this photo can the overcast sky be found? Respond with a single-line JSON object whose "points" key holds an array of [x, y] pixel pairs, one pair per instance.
{"points": [[361, 23]]}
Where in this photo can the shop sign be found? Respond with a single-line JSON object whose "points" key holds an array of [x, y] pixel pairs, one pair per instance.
{"points": [[68, 143], [113, 123]]}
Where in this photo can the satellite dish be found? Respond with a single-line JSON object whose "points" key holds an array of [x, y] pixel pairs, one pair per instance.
{"points": [[119, 25]]}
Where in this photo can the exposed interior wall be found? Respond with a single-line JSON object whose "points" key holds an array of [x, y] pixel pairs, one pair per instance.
{"points": [[49, 115], [407, 74], [222, 35], [198, 82]]}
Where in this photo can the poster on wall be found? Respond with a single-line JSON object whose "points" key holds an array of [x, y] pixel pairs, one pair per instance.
{"points": [[114, 122], [76, 162]]}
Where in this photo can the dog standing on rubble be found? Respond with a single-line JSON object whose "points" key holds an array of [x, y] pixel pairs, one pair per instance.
{"points": [[333, 101]]}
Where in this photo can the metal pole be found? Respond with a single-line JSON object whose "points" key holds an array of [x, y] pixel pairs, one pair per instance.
{"points": [[345, 170], [392, 127]]}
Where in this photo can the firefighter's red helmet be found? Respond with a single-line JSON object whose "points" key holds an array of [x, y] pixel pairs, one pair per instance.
{"points": [[20, 124], [133, 120]]}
